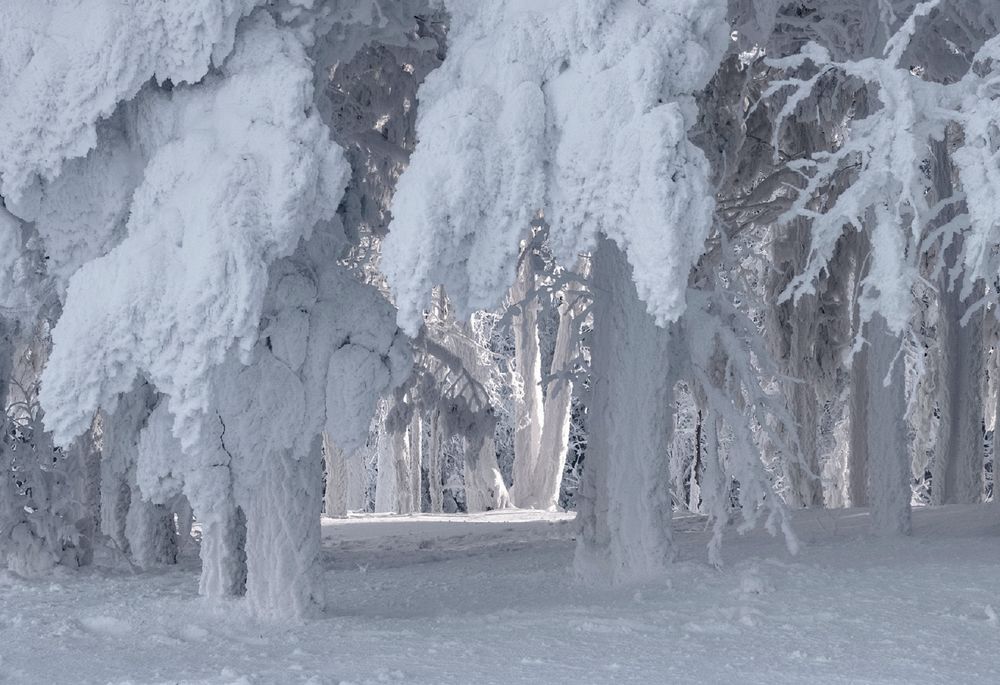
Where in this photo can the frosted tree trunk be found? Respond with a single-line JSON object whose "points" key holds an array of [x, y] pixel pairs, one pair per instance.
{"points": [[991, 399], [151, 532], [345, 480], [995, 441], [403, 465], [435, 463], [223, 524], [792, 331], [115, 496], [624, 498], [554, 439], [6, 360], [889, 459], [528, 406], [484, 486], [386, 481], [356, 481], [138, 527], [806, 486], [706, 472], [335, 496], [7, 503], [283, 536], [185, 521], [859, 396], [223, 550], [958, 473], [416, 436], [714, 488], [394, 489], [958, 466], [86, 489], [858, 407]]}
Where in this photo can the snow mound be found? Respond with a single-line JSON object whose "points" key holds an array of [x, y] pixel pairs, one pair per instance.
{"points": [[107, 625]]}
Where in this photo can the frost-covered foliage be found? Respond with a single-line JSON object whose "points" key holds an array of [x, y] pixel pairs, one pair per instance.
{"points": [[886, 155], [47, 494], [67, 66], [209, 231], [577, 110]]}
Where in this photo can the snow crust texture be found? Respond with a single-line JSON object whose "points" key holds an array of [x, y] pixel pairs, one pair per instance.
{"points": [[573, 111], [485, 598]]}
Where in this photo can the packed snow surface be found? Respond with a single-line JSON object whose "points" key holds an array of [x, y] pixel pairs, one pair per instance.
{"points": [[491, 598]]}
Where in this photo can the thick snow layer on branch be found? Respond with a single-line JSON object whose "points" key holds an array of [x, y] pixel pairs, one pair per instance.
{"points": [[67, 65], [158, 455], [578, 110], [189, 281], [80, 215]]}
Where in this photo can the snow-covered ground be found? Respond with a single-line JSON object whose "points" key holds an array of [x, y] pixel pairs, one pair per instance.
{"points": [[491, 599]]}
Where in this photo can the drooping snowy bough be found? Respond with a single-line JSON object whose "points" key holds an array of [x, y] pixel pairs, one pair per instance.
{"points": [[578, 111]]}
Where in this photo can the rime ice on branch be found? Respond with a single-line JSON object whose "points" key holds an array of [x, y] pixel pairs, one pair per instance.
{"points": [[578, 110]]}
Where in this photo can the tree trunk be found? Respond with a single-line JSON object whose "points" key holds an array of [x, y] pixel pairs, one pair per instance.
{"points": [[398, 487], [806, 488], [416, 434], [857, 456], [185, 521], [86, 489], [859, 397], [792, 330], [283, 537], [357, 480], [958, 467], [554, 440], [151, 532], [995, 441], [223, 548], [958, 472], [484, 486], [6, 361], [403, 465], [335, 496], [528, 406], [435, 463], [889, 466], [386, 498], [625, 503]]}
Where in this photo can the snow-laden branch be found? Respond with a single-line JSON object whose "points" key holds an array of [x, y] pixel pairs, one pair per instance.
{"points": [[66, 66], [208, 232], [576, 110]]}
